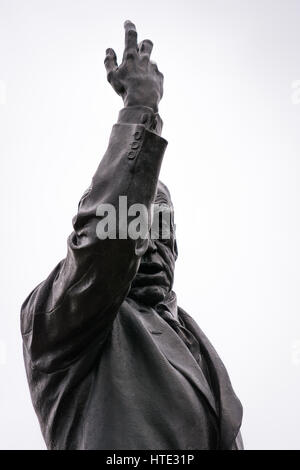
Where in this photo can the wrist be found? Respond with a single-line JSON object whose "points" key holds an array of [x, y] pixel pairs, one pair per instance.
{"points": [[130, 103], [143, 94], [141, 115]]}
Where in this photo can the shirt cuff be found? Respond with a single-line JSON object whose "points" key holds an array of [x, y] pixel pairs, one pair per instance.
{"points": [[141, 115]]}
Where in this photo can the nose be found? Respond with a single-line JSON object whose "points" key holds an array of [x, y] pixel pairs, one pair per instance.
{"points": [[152, 248]]}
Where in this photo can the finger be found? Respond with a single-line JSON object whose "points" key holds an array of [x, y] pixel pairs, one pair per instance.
{"points": [[145, 48], [130, 36], [154, 65], [110, 60], [155, 68]]}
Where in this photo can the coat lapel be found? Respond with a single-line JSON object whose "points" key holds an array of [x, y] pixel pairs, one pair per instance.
{"points": [[231, 410], [177, 354]]}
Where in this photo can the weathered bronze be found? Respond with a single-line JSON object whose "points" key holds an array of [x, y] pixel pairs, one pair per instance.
{"points": [[111, 361]]}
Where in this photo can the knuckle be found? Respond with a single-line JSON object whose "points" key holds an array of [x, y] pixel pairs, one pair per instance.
{"points": [[144, 57], [132, 33], [129, 55]]}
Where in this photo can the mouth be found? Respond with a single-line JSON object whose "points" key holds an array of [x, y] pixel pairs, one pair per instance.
{"points": [[150, 268], [150, 274]]}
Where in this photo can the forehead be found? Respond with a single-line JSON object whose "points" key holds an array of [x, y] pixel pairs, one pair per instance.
{"points": [[163, 205], [163, 202], [163, 195]]}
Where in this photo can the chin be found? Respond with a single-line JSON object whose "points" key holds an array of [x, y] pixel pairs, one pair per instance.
{"points": [[148, 295]]}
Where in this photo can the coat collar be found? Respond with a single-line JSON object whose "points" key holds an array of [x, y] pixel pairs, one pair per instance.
{"points": [[170, 304]]}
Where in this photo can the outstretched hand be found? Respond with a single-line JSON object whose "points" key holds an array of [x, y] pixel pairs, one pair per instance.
{"points": [[137, 80]]}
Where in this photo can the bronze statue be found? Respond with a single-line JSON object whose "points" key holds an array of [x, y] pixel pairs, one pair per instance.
{"points": [[111, 361]]}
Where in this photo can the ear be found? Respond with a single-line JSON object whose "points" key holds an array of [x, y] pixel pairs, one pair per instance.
{"points": [[175, 249]]}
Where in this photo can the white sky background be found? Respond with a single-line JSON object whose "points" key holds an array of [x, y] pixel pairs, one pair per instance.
{"points": [[232, 166]]}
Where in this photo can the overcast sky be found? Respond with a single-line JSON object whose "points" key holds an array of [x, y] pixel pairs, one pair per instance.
{"points": [[232, 165]]}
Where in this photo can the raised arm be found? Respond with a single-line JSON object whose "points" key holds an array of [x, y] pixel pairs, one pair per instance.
{"points": [[75, 306]]}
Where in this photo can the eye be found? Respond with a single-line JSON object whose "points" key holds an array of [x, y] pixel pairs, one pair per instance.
{"points": [[162, 228]]}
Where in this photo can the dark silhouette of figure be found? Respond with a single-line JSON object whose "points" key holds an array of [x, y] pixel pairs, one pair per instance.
{"points": [[111, 361]]}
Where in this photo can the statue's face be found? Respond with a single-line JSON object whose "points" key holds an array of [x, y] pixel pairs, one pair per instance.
{"points": [[154, 278]]}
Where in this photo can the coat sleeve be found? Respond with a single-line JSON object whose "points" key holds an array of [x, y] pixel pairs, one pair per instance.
{"points": [[76, 305]]}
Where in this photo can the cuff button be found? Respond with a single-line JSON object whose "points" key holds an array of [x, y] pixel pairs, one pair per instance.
{"points": [[135, 145], [137, 135], [131, 155]]}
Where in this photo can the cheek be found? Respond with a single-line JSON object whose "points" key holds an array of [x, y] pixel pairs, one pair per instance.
{"points": [[167, 254]]}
